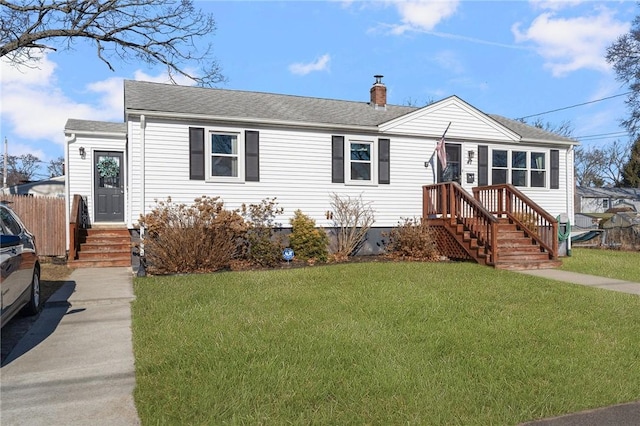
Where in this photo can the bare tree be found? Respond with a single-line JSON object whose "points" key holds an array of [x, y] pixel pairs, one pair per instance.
{"points": [[565, 128], [588, 164], [152, 31], [56, 167], [596, 167], [624, 55], [20, 169]]}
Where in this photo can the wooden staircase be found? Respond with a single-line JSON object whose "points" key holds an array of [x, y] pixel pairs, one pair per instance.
{"points": [[511, 233], [102, 247]]}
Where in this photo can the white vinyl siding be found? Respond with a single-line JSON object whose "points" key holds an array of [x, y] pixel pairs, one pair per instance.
{"points": [[83, 168]]}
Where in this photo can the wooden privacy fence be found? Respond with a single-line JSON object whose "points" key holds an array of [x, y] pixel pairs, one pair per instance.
{"points": [[45, 218]]}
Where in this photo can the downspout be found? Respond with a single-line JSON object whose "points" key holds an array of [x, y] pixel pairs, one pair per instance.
{"points": [[67, 197], [570, 197], [143, 125]]}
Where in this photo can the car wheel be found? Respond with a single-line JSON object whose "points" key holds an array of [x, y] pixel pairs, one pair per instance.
{"points": [[35, 303]]}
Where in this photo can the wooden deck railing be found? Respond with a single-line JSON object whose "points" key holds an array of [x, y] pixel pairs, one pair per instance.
{"points": [[77, 221], [507, 201], [451, 202]]}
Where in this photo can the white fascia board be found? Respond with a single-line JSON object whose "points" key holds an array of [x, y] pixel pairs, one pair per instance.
{"points": [[122, 135]]}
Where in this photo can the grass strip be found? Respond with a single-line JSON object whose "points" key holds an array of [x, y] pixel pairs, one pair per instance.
{"points": [[379, 343], [622, 265]]}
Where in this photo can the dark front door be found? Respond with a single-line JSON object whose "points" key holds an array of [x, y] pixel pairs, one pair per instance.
{"points": [[454, 167], [109, 187]]}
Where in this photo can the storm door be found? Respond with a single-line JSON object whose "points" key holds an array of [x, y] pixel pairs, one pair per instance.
{"points": [[108, 187], [453, 168]]}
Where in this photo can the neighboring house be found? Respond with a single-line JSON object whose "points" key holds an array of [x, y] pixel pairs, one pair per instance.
{"points": [[599, 200], [53, 187], [184, 142]]}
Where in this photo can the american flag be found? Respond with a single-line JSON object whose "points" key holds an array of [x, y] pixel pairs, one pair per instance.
{"points": [[442, 155]]}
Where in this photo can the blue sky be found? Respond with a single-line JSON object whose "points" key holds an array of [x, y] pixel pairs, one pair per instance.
{"points": [[513, 58]]}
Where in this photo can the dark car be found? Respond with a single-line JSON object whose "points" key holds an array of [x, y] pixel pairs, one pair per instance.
{"points": [[20, 283]]}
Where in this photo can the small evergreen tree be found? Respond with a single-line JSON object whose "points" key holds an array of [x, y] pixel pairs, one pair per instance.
{"points": [[308, 242], [631, 171]]}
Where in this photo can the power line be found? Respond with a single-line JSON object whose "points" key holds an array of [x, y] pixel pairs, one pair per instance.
{"points": [[602, 136], [574, 106]]}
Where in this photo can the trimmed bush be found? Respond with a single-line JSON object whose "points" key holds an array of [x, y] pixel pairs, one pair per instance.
{"points": [[412, 240], [204, 237], [307, 241]]}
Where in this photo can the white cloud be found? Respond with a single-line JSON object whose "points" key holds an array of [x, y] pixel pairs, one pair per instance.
{"points": [[422, 15], [554, 4], [35, 108], [570, 44], [321, 64]]}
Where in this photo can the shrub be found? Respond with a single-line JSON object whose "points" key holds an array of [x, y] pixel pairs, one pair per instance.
{"points": [[203, 237], [412, 240], [264, 248], [307, 241], [352, 219]]}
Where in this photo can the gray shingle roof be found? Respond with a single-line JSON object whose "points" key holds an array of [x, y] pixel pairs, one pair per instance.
{"points": [[529, 133], [236, 104], [629, 193], [148, 97], [90, 126]]}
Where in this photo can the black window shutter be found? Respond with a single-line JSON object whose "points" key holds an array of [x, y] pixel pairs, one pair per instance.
{"points": [[196, 153], [483, 165], [337, 159], [555, 169], [383, 161], [252, 155]]}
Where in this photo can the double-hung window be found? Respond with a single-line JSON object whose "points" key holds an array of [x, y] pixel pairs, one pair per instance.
{"points": [[224, 155], [499, 166], [538, 170], [361, 161], [519, 168]]}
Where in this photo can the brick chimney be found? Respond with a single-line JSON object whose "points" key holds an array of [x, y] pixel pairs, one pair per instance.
{"points": [[378, 93]]}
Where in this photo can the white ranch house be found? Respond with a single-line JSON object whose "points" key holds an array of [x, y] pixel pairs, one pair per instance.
{"points": [[185, 142]]}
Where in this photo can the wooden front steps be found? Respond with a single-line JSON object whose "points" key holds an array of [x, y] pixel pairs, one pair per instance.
{"points": [[103, 247], [497, 225], [515, 251]]}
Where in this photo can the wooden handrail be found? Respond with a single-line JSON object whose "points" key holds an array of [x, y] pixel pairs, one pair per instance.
{"points": [[76, 223], [506, 200], [451, 202]]}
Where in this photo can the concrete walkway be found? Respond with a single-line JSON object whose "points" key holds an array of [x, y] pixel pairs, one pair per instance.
{"points": [[75, 366], [587, 280]]}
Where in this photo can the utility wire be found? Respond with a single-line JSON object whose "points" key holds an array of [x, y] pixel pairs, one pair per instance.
{"points": [[574, 106], [602, 136]]}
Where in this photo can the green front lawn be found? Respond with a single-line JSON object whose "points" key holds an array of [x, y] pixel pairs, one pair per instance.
{"points": [[379, 343], [622, 265]]}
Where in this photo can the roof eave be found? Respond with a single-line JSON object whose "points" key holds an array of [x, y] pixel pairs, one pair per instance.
{"points": [[94, 133], [549, 142]]}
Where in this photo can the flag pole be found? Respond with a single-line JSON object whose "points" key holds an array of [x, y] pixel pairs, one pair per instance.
{"points": [[443, 135]]}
